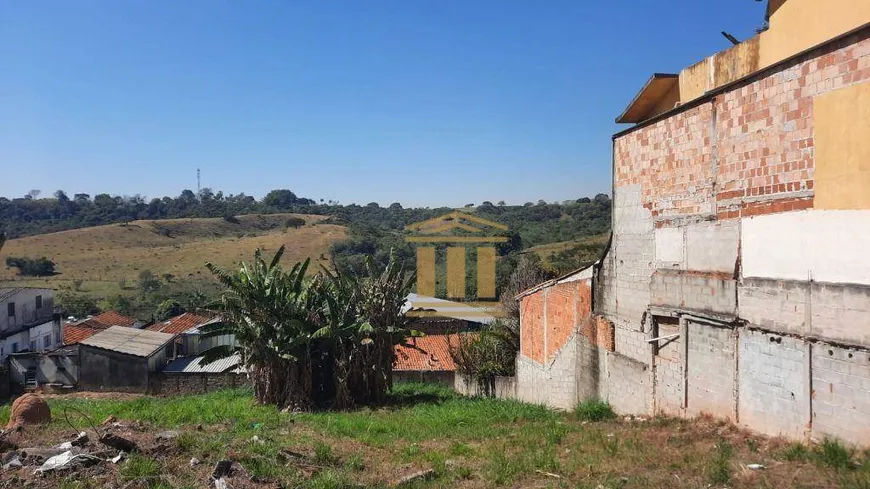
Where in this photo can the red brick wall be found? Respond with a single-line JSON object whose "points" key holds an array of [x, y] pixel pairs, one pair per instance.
{"points": [[599, 331], [568, 305], [761, 134], [532, 326], [560, 316]]}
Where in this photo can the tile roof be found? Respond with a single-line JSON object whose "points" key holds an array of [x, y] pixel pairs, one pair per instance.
{"points": [[179, 324], [191, 365], [427, 353], [73, 334], [130, 341], [113, 318]]}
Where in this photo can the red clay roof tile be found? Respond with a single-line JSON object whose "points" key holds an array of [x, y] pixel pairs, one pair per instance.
{"points": [[427, 353], [73, 334], [113, 318], [178, 324]]}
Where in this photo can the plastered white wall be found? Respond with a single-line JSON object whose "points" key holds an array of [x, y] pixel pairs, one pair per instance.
{"points": [[829, 246], [669, 247]]}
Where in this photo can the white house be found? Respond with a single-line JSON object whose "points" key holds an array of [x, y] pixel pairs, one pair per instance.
{"points": [[27, 321]]}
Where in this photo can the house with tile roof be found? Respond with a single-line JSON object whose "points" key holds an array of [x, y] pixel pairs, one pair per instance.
{"points": [[426, 359], [190, 341]]}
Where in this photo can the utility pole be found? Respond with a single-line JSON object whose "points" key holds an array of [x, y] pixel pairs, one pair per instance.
{"points": [[198, 186]]}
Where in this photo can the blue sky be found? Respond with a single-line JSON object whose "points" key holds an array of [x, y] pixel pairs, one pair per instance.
{"points": [[440, 102]]}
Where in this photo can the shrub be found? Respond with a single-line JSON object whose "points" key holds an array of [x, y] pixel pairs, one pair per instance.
{"points": [[78, 305], [594, 410], [720, 470], [294, 222], [488, 354], [32, 267], [117, 302], [231, 219], [834, 454]]}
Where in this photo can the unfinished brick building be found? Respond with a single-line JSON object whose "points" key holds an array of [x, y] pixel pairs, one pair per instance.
{"points": [[737, 281]]}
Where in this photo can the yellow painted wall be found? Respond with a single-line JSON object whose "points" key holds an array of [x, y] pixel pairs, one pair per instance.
{"points": [[801, 24], [695, 80], [794, 27], [841, 121]]}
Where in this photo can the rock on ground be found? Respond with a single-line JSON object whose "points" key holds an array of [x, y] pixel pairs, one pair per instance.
{"points": [[27, 410]]}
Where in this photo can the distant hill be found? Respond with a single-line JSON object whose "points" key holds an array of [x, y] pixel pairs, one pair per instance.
{"points": [[102, 256]]}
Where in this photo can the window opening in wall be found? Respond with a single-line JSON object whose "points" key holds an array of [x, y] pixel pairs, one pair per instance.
{"points": [[15, 347], [10, 309], [38, 302], [665, 330], [32, 345], [46, 341]]}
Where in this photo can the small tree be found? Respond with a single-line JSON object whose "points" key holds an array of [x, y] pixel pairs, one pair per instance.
{"points": [[148, 282]]}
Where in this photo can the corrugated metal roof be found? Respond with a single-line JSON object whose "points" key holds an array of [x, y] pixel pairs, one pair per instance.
{"points": [[130, 341], [192, 365], [426, 306]]}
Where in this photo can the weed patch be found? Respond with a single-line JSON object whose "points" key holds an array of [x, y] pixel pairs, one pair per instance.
{"points": [[594, 410]]}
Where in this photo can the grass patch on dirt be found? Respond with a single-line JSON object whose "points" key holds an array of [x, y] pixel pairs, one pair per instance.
{"points": [[467, 442]]}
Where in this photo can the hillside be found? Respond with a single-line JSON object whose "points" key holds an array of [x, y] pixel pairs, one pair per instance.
{"points": [[103, 256], [565, 256]]}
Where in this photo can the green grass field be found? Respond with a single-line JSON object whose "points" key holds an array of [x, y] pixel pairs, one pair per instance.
{"points": [[467, 442]]}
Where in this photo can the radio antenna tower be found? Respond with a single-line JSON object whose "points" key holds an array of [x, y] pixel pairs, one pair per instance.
{"points": [[198, 187]]}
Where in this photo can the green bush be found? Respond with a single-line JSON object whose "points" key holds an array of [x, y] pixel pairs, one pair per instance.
{"points": [[594, 410], [834, 454]]}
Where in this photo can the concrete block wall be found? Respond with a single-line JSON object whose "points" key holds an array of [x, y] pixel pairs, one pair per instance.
{"points": [[711, 371], [841, 392], [701, 292], [773, 387], [627, 384], [554, 383]]}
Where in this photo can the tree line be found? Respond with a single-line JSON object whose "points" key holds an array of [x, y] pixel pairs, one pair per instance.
{"points": [[536, 223]]}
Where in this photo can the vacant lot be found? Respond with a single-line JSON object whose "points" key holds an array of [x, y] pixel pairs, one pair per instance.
{"points": [[471, 443], [103, 256]]}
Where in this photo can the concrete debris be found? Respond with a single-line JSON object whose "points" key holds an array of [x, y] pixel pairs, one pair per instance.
{"points": [[119, 443], [117, 458], [420, 475], [256, 439], [194, 462], [13, 463], [221, 484], [167, 435], [756, 467]]}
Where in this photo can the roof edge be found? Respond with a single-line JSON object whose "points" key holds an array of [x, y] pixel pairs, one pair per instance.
{"points": [[707, 96]]}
